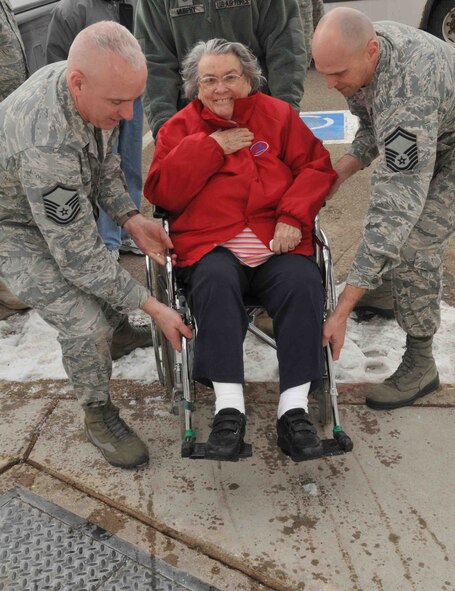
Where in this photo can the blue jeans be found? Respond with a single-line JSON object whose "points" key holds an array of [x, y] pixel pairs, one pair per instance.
{"points": [[130, 150]]}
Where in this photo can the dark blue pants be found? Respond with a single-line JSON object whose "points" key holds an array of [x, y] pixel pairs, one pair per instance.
{"points": [[288, 286]]}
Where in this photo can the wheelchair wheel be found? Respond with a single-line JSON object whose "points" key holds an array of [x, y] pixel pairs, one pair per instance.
{"points": [[324, 401], [164, 354]]}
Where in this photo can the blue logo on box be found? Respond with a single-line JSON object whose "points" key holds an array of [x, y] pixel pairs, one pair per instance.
{"points": [[329, 126]]}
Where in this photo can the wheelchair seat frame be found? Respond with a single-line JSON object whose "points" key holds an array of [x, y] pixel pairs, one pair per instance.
{"points": [[174, 367]]}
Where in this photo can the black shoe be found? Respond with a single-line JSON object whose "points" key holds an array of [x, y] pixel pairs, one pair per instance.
{"points": [[226, 438], [297, 436]]}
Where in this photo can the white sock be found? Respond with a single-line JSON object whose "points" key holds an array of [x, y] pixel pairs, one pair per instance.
{"points": [[296, 397], [228, 396]]}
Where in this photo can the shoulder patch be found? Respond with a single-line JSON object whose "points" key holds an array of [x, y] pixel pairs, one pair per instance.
{"points": [[401, 150], [62, 205]]}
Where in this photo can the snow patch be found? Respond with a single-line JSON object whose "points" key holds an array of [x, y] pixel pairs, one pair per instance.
{"points": [[29, 350]]}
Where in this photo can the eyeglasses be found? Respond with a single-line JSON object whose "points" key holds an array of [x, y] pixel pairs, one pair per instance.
{"points": [[228, 80]]}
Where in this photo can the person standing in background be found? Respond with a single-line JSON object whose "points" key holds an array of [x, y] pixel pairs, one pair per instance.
{"points": [[13, 64], [311, 12], [68, 19], [168, 29], [13, 72]]}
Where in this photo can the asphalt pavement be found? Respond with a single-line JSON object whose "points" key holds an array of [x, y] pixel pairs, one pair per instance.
{"points": [[377, 519]]}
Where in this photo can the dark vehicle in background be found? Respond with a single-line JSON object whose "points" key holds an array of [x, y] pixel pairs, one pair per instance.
{"points": [[435, 16]]}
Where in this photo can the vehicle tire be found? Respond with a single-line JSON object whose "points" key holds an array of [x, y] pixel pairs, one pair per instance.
{"points": [[442, 20]]}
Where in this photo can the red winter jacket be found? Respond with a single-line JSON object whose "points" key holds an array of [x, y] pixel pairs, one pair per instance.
{"points": [[283, 177]]}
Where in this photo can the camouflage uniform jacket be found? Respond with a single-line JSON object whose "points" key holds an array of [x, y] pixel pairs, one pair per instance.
{"points": [[168, 29], [407, 118], [13, 68], [311, 12], [55, 170]]}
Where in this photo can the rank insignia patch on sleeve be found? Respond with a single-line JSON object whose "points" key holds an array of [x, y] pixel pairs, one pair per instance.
{"points": [[401, 150], [62, 205]]}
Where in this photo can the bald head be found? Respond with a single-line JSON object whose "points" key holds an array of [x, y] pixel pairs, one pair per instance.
{"points": [[97, 43], [106, 72], [345, 42], [344, 28]]}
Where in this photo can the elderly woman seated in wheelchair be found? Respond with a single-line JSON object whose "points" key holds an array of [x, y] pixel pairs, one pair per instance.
{"points": [[242, 179]]}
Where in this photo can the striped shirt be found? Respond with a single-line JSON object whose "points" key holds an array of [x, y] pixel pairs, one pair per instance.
{"points": [[248, 248]]}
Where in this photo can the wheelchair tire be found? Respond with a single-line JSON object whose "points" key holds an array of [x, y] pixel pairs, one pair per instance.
{"points": [[164, 354], [165, 358], [324, 401]]}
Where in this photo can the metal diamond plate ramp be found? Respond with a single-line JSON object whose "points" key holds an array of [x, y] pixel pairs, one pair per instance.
{"points": [[44, 547]]}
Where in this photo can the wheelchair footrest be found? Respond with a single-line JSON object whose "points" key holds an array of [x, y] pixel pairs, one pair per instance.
{"points": [[331, 447], [340, 444], [196, 451]]}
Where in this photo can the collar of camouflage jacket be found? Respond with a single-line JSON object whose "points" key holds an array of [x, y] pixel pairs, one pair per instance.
{"points": [[78, 130]]}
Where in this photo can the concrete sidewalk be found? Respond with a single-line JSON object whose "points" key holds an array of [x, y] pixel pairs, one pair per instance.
{"points": [[380, 518], [377, 518]]}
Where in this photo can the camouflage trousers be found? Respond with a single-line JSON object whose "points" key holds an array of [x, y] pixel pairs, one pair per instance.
{"points": [[417, 281], [311, 12], [85, 324]]}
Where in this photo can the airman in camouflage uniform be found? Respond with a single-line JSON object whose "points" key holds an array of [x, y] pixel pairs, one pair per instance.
{"points": [[56, 168], [311, 12], [13, 65], [400, 82], [13, 71]]}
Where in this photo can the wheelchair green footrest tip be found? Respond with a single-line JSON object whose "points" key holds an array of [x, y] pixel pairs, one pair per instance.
{"points": [[341, 443]]}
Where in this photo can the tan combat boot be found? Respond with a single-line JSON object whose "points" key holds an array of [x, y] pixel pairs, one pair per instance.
{"points": [[111, 435], [416, 376], [127, 338], [9, 300], [378, 302]]}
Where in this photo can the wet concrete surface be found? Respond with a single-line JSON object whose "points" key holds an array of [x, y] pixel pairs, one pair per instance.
{"points": [[366, 520]]}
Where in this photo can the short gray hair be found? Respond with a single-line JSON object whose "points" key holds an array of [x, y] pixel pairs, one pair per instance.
{"points": [[248, 61], [111, 37]]}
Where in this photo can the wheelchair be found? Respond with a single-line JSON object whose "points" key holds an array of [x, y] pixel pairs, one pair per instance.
{"points": [[174, 368]]}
